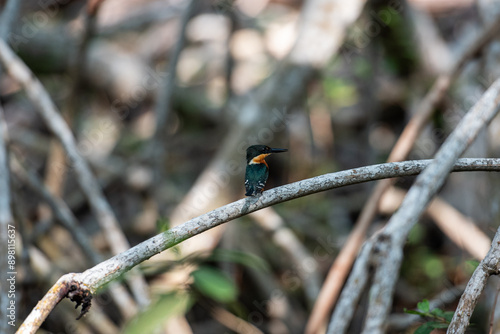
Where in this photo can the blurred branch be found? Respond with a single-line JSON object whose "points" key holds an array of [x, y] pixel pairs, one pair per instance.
{"points": [[322, 29], [63, 213], [269, 285], [386, 246], [9, 15], [164, 98], [343, 262], [231, 321], [461, 230], [283, 237], [79, 64], [98, 203], [55, 177], [488, 266], [94, 278], [7, 227], [59, 208], [137, 21]]}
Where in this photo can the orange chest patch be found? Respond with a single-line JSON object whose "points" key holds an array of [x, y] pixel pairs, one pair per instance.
{"points": [[260, 159]]}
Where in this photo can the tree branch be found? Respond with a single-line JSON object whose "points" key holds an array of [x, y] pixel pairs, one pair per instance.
{"points": [[342, 264], [164, 97], [90, 187], [95, 278], [391, 240], [490, 265], [65, 216], [9, 15]]}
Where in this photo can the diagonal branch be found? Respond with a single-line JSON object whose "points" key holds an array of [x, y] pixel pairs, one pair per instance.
{"points": [[391, 241], [340, 268], [65, 216], [90, 187], [95, 278]]}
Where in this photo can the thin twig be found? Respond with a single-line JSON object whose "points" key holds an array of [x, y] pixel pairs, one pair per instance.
{"points": [[343, 262], [109, 270], [98, 203]]}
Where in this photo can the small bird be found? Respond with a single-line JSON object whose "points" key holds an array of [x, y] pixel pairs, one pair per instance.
{"points": [[257, 169]]}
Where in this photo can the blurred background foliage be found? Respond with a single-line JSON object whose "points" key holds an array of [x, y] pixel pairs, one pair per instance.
{"points": [[349, 115]]}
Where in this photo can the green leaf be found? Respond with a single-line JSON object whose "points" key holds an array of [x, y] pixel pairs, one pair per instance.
{"points": [[438, 312], [437, 324], [167, 306], [162, 224], [424, 329], [214, 284], [471, 265], [415, 312], [423, 306]]}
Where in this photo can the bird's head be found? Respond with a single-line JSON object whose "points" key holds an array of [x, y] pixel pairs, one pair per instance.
{"points": [[257, 153]]}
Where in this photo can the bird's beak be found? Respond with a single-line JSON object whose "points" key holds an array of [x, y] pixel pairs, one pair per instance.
{"points": [[278, 150]]}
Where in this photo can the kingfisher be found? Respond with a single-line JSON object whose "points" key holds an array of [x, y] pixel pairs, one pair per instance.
{"points": [[257, 169]]}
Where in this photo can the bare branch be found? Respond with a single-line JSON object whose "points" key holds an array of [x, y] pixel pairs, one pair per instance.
{"points": [[490, 265], [391, 241], [42, 310], [474, 289], [271, 197], [98, 203], [267, 105], [96, 277], [340, 268], [64, 214]]}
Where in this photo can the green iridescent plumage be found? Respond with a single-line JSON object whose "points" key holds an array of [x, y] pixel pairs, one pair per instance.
{"points": [[257, 170]]}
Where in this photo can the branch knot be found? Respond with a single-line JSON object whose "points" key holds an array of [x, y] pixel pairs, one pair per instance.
{"points": [[81, 296]]}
